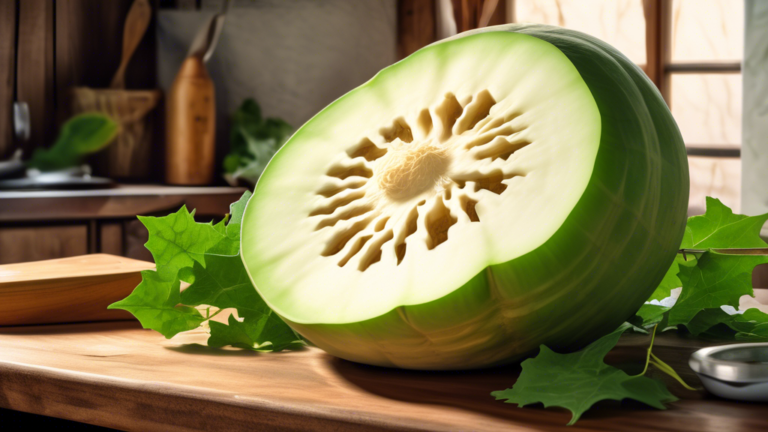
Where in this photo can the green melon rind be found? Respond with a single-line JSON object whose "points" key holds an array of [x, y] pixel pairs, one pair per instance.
{"points": [[599, 267]]}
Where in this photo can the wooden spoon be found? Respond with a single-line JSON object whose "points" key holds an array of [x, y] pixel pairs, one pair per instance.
{"points": [[136, 24]]}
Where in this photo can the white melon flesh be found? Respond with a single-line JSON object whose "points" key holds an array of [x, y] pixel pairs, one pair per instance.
{"points": [[504, 136]]}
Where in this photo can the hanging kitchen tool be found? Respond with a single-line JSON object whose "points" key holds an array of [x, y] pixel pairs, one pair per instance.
{"points": [[128, 158], [191, 117]]}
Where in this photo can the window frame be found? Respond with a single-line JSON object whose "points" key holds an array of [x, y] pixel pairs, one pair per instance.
{"points": [[659, 67]]}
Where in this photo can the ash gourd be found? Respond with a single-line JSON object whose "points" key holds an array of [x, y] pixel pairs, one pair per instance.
{"points": [[506, 188]]}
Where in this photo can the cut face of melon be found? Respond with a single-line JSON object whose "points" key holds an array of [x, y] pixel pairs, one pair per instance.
{"points": [[469, 204]]}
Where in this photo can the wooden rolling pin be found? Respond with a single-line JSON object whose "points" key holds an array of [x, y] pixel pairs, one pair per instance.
{"points": [[191, 126], [191, 117]]}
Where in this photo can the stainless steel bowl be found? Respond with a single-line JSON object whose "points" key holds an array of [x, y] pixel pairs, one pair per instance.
{"points": [[738, 371]]}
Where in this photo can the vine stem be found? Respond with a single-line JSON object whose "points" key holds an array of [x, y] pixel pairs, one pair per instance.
{"points": [[652, 359], [667, 369], [208, 314], [648, 356]]}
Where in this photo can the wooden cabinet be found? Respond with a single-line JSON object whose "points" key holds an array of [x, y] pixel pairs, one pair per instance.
{"points": [[40, 225], [21, 244]]}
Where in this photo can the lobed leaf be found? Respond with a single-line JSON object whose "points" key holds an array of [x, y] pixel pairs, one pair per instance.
{"points": [[155, 303], [714, 279], [266, 332], [177, 241], [576, 381]]}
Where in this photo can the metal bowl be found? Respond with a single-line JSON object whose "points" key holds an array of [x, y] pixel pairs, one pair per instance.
{"points": [[738, 371]]}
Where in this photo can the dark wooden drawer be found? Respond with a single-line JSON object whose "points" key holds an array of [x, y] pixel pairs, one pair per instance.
{"points": [[21, 244]]}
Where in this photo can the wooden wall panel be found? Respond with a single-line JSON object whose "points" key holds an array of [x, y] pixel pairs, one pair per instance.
{"points": [[22, 244], [34, 69], [89, 40], [7, 74], [61, 44], [415, 25], [111, 238], [469, 14], [500, 13]]}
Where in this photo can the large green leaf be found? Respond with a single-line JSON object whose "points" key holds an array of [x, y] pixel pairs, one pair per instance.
{"points": [[254, 332], [752, 324], [155, 303], [716, 280], [206, 256], [81, 135], [578, 380], [720, 228], [223, 283], [176, 241], [713, 279]]}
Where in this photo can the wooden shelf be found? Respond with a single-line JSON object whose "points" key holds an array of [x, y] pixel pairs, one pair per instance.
{"points": [[120, 376], [38, 225], [119, 202]]}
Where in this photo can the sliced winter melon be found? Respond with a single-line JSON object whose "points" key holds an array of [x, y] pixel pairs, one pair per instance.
{"points": [[506, 188]]}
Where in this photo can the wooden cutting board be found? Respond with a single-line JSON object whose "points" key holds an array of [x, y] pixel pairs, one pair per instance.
{"points": [[75, 289]]}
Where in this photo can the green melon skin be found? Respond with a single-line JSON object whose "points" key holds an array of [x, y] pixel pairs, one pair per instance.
{"points": [[597, 269]]}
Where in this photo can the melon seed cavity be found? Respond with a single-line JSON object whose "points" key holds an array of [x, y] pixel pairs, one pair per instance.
{"points": [[366, 196]]}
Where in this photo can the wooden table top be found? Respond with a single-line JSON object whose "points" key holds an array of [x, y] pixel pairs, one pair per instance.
{"points": [[118, 375]]}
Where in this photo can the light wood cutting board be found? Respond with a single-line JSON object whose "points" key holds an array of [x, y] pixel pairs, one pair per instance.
{"points": [[76, 289]]}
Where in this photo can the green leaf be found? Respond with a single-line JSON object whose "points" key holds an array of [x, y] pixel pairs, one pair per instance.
{"points": [[236, 211], [652, 314], [223, 283], [648, 316], [263, 333], [576, 381], [206, 256], [176, 241], [720, 228], [261, 152], [706, 319], [236, 334], [671, 279], [249, 113], [81, 135], [253, 141], [752, 325], [155, 303], [716, 280]]}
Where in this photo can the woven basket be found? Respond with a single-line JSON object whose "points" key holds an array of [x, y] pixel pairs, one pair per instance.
{"points": [[129, 157]]}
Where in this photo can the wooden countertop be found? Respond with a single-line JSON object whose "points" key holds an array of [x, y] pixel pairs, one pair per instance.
{"points": [[118, 375], [118, 202]]}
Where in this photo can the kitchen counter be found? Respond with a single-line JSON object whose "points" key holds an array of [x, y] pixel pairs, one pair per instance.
{"points": [[118, 375], [39, 225]]}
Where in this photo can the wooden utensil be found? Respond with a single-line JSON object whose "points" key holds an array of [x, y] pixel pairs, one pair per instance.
{"points": [[191, 126], [136, 24], [191, 116], [128, 158], [67, 290]]}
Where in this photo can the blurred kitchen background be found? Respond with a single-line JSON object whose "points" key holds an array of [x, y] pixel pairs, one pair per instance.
{"points": [[273, 66]]}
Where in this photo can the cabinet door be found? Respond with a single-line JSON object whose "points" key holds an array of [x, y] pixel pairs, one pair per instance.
{"points": [[21, 244]]}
